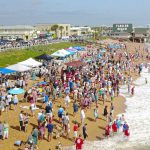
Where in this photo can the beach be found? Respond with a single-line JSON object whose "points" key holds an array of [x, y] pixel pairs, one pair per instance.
{"points": [[95, 129], [136, 114]]}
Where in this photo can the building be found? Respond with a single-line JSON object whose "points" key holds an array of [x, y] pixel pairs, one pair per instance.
{"points": [[63, 30], [19, 31], [122, 31], [80, 31], [105, 30], [140, 34]]}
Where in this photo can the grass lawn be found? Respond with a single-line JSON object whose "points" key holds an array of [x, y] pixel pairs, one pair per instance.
{"points": [[14, 56]]}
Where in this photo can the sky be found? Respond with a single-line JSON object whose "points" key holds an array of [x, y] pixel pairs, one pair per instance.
{"points": [[75, 12]]}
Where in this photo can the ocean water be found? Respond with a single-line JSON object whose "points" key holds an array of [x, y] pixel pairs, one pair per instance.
{"points": [[137, 116]]}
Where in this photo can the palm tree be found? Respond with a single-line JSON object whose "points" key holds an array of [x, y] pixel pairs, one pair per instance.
{"points": [[95, 32], [61, 30], [55, 28]]}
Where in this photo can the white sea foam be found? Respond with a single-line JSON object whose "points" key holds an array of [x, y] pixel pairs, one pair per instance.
{"points": [[138, 117]]}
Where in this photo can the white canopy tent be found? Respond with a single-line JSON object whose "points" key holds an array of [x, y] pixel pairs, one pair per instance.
{"points": [[30, 63], [61, 53], [19, 68]]}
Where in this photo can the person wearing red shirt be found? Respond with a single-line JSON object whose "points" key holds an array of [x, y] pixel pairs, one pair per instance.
{"points": [[114, 127], [75, 129], [79, 143]]}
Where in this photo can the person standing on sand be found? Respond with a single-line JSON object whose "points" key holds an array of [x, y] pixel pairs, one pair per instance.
{"points": [[84, 129], [5, 129], [1, 130], [21, 120], [75, 130], [50, 128], [82, 115], [112, 109], [110, 118], [35, 134], [96, 114], [105, 112], [75, 108]]}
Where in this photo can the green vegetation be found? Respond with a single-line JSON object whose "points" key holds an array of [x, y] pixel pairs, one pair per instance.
{"points": [[13, 56]]}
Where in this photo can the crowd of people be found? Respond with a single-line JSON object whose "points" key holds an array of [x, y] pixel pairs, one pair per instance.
{"points": [[82, 86]]}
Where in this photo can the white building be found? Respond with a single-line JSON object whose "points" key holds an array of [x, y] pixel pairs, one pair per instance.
{"points": [[19, 31], [80, 31]]}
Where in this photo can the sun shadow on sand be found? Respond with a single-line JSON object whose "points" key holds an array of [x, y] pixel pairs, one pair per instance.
{"points": [[90, 119], [101, 127], [102, 119], [99, 138], [33, 125], [15, 127], [56, 120]]}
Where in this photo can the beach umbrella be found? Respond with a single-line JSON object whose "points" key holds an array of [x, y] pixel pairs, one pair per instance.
{"points": [[16, 91]]}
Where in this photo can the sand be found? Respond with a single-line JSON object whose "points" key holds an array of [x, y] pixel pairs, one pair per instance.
{"points": [[95, 129]]}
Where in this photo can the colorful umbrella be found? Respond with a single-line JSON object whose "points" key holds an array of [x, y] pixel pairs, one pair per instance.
{"points": [[16, 91]]}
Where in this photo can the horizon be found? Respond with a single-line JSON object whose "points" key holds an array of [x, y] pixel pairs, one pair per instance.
{"points": [[90, 13]]}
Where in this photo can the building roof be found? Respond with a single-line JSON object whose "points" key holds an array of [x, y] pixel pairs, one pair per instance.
{"points": [[141, 30], [17, 27]]}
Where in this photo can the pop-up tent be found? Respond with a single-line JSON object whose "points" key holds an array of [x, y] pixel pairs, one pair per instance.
{"points": [[77, 63], [79, 48], [6, 71], [71, 50], [44, 57], [19, 68], [30, 63], [60, 53]]}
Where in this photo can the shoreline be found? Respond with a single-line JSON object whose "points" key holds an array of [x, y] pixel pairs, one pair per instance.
{"points": [[123, 104]]}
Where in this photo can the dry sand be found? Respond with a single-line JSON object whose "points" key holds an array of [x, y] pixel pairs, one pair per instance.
{"points": [[95, 129]]}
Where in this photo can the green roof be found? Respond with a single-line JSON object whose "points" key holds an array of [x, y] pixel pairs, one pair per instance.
{"points": [[141, 30]]}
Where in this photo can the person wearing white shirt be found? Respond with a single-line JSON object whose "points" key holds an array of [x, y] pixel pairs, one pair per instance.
{"points": [[21, 119], [82, 115], [9, 97]]}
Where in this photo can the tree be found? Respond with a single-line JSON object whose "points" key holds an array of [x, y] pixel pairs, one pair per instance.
{"points": [[61, 30], [55, 28], [95, 32]]}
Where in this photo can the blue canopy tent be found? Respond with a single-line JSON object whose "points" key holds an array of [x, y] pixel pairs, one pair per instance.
{"points": [[71, 52], [6, 71], [79, 48]]}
